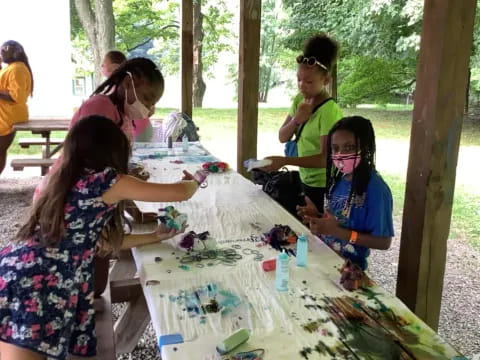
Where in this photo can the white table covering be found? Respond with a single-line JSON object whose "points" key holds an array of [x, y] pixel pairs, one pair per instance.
{"points": [[232, 209]]}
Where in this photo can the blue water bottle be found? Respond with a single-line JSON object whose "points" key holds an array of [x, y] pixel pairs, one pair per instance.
{"points": [[302, 250], [185, 143], [281, 272]]}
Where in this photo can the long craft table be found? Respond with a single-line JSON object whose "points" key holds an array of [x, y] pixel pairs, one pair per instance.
{"points": [[196, 304]]}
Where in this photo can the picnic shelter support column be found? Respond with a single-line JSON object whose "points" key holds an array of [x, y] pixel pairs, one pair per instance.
{"points": [[248, 80], [446, 45], [186, 68]]}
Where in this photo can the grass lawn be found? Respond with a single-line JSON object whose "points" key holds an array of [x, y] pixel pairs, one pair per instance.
{"points": [[465, 213], [389, 124], [32, 150]]}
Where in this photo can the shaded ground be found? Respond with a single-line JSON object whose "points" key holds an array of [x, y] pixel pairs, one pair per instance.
{"points": [[460, 317]]}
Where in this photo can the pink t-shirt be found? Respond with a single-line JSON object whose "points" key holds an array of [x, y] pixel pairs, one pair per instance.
{"points": [[95, 105], [140, 126], [102, 105]]}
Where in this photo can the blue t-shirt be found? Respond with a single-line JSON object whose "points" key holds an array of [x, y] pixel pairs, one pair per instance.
{"points": [[370, 213]]}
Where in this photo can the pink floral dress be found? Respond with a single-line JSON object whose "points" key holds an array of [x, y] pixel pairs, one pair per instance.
{"points": [[46, 293]]}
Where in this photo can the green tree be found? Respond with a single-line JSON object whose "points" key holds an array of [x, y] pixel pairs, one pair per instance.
{"points": [[137, 24], [274, 57], [276, 60], [382, 33], [96, 18], [212, 36]]}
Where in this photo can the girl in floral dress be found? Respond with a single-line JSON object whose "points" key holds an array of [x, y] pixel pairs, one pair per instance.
{"points": [[46, 276]]}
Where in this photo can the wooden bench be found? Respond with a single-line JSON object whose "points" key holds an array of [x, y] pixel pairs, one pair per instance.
{"points": [[20, 164], [25, 143], [50, 147]]}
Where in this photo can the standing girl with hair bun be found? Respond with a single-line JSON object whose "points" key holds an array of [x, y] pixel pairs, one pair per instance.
{"points": [[311, 116]]}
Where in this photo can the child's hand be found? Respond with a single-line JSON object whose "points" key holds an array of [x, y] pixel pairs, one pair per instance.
{"points": [[277, 163], [165, 233], [187, 176], [325, 225], [308, 210], [304, 110]]}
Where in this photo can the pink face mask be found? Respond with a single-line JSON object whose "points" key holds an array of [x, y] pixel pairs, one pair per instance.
{"points": [[346, 163]]}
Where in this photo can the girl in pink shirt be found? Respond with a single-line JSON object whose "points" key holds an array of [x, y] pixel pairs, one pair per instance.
{"points": [[130, 93]]}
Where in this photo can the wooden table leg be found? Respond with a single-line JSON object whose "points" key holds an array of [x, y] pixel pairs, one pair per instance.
{"points": [[46, 151], [125, 286], [131, 325]]}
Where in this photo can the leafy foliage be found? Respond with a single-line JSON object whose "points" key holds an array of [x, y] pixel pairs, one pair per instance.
{"points": [[139, 22], [151, 28], [217, 38], [373, 80], [378, 41]]}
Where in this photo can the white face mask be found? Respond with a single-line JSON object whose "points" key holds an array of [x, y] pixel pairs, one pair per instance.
{"points": [[137, 110]]}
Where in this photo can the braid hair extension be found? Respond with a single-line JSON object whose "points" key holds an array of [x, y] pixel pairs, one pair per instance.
{"points": [[364, 135]]}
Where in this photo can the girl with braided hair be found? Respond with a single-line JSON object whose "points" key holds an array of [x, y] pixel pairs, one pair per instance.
{"points": [[359, 203], [16, 84], [130, 93]]}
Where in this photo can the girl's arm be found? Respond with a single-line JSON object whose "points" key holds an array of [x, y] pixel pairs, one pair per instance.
{"points": [[312, 161], [130, 188], [162, 233], [287, 130], [5, 95], [303, 113], [328, 225]]}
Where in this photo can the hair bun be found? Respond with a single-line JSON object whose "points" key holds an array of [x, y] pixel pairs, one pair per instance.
{"points": [[323, 48]]}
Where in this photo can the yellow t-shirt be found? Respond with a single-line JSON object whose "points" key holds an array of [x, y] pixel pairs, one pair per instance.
{"points": [[15, 79]]}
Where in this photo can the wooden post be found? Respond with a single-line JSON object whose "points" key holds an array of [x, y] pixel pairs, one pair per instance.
{"points": [[445, 50], [248, 81], [186, 67]]}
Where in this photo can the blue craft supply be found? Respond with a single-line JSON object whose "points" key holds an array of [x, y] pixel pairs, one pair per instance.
{"points": [[281, 272], [185, 143], [170, 340], [302, 250]]}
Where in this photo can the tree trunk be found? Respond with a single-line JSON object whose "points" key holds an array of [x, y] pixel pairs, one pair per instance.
{"points": [[467, 97], [266, 85], [99, 25], [199, 85]]}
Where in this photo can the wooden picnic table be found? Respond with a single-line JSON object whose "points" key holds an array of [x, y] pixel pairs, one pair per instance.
{"points": [[195, 304], [44, 127]]}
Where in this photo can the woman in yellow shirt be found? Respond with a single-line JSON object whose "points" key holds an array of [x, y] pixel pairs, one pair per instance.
{"points": [[16, 83]]}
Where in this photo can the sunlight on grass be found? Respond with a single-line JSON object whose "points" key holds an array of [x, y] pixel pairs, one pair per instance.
{"points": [[465, 213]]}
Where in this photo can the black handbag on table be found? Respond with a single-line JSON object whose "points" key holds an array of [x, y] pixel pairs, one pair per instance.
{"points": [[284, 186]]}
